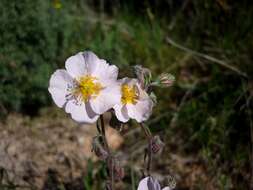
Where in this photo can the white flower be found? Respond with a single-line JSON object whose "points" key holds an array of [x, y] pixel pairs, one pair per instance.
{"points": [[135, 103], [150, 183], [87, 88]]}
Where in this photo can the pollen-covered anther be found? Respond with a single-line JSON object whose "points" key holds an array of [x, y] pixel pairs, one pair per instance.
{"points": [[87, 88], [129, 94]]}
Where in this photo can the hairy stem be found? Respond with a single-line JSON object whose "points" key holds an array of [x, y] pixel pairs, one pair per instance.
{"points": [[146, 131], [109, 161], [149, 138], [149, 165]]}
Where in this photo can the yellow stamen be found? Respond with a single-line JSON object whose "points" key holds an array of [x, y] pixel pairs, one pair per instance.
{"points": [[88, 87], [129, 94]]}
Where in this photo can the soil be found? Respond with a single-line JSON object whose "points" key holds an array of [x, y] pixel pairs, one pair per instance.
{"points": [[51, 146], [39, 152]]}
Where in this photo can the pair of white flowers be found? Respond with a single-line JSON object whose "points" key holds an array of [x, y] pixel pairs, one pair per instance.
{"points": [[89, 87]]}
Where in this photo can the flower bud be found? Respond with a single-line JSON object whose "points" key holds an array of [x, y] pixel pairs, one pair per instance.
{"points": [[156, 144], [98, 148], [166, 79], [171, 182]]}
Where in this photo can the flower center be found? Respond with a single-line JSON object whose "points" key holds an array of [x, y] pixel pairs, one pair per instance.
{"points": [[88, 87], [129, 94]]}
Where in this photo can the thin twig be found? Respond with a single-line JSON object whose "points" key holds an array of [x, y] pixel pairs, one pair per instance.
{"points": [[208, 57]]}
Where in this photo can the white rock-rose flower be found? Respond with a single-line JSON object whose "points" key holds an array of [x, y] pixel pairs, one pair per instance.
{"points": [[150, 183], [87, 88], [134, 103]]}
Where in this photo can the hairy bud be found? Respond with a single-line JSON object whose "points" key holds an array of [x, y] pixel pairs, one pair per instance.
{"points": [[156, 144], [171, 182], [166, 79]]}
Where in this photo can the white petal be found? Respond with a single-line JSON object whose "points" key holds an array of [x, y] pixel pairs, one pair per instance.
{"points": [[166, 188], [89, 110], [111, 73], [149, 183], [121, 113], [92, 61], [143, 185], [106, 73], [58, 85], [76, 66], [153, 184], [100, 69], [80, 113], [141, 110], [106, 99]]}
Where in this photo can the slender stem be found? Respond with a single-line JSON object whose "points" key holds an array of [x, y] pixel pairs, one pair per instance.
{"points": [[103, 133], [149, 138], [98, 128], [149, 164], [147, 132], [109, 161]]}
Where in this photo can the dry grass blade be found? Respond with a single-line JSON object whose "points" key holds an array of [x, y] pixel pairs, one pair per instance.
{"points": [[208, 57]]}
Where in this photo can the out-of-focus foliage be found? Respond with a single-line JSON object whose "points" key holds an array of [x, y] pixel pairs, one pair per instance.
{"points": [[210, 107], [36, 37]]}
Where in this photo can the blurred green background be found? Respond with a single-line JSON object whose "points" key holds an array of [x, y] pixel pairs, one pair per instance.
{"points": [[207, 113]]}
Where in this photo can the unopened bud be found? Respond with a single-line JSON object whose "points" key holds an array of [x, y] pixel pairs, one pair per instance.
{"points": [[99, 149], [156, 144], [171, 182], [166, 79]]}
